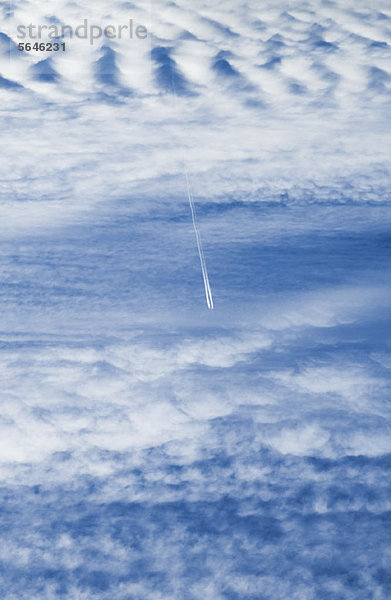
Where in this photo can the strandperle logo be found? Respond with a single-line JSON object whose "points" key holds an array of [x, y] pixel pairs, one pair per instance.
{"points": [[84, 31]]}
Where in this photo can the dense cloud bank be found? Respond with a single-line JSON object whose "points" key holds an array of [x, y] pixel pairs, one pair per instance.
{"points": [[223, 466], [150, 448]]}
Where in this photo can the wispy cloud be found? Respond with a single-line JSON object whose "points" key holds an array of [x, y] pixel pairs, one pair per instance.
{"points": [[150, 448]]}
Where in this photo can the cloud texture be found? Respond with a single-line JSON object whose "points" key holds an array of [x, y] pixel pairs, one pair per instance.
{"points": [[150, 448]]}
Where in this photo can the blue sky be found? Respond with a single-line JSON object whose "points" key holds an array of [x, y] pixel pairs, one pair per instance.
{"points": [[151, 448]]}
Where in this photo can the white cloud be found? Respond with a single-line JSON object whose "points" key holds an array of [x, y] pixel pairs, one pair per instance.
{"points": [[150, 447]]}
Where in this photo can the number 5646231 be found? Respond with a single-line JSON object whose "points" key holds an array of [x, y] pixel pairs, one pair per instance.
{"points": [[42, 47]]}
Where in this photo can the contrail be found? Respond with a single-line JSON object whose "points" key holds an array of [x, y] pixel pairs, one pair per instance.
{"points": [[208, 291]]}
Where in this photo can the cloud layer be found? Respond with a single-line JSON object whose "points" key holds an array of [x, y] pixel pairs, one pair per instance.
{"points": [[150, 448]]}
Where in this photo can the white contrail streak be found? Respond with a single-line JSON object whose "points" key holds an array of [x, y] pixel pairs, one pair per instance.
{"points": [[208, 291]]}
